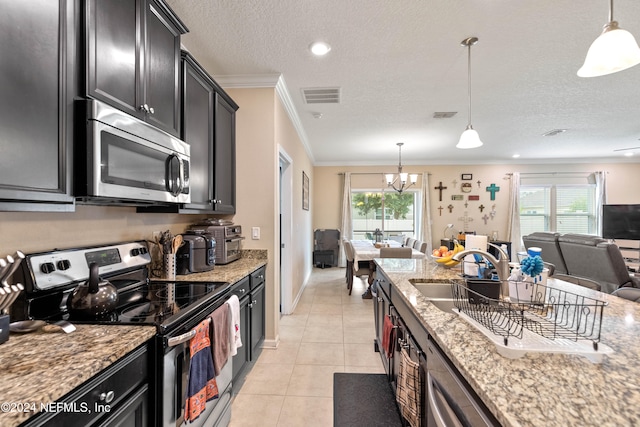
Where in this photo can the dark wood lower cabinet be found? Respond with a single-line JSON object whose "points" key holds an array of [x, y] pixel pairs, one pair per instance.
{"points": [[252, 325]]}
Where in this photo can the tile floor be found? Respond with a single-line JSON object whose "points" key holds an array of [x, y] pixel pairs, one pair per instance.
{"points": [[330, 331]]}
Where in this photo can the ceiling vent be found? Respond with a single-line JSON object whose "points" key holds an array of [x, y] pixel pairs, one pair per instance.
{"points": [[554, 132], [321, 95], [444, 114]]}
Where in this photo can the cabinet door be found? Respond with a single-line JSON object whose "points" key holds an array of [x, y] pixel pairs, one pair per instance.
{"points": [[198, 99], [37, 44], [114, 47], [257, 321], [161, 89], [241, 359], [132, 413], [225, 156]]}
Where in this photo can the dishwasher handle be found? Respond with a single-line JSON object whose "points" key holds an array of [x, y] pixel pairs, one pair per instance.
{"points": [[438, 406]]}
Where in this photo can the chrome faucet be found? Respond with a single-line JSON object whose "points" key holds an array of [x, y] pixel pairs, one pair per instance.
{"points": [[502, 265]]}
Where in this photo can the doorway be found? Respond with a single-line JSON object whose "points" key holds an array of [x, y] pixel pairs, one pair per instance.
{"points": [[285, 220]]}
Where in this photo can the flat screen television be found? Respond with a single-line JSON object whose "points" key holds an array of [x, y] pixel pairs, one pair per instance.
{"points": [[621, 222]]}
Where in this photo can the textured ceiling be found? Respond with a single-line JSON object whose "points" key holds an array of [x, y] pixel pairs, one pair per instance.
{"points": [[397, 62]]}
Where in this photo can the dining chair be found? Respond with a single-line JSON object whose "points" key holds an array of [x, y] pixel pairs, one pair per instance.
{"points": [[421, 246], [395, 252], [363, 267], [410, 242]]}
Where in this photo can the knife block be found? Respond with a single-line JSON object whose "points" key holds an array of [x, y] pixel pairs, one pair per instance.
{"points": [[4, 328]]}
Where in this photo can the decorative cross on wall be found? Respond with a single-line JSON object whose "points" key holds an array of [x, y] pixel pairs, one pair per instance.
{"points": [[440, 209], [466, 219], [450, 207], [466, 204], [479, 182], [485, 218], [493, 189], [440, 187], [493, 211], [481, 207]]}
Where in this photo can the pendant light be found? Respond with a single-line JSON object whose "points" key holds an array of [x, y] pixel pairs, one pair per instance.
{"points": [[402, 176], [469, 138], [614, 50]]}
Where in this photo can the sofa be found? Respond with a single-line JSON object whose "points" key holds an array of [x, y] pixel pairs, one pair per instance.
{"points": [[592, 258]]}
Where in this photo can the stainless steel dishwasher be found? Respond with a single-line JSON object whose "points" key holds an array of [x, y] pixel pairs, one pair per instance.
{"points": [[451, 401]]}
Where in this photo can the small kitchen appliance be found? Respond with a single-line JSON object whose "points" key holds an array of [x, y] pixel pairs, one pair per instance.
{"points": [[228, 239], [197, 254]]}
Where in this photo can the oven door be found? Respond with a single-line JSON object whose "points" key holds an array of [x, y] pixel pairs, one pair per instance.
{"points": [[174, 385], [129, 159], [232, 249]]}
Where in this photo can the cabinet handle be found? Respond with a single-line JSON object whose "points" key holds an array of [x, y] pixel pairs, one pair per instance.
{"points": [[380, 299], [107, 397], [151, 110], [250, 305], [242, 291], [144, 108]]}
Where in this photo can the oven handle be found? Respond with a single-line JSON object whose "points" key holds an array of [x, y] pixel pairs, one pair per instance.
{"points": [[234, 239], [174, 341]]}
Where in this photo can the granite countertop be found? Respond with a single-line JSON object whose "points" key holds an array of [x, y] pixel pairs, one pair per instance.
{"points": [[538, 389], [252, 259], [42, 367]]}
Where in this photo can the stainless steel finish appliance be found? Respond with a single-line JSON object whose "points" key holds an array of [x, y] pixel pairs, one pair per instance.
{"points": [[197, 254], [451, 401], [174, 308], [124, 160], [228, 240]]}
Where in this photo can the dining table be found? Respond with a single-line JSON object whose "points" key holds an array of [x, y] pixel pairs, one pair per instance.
{"points": [[366, 250]]}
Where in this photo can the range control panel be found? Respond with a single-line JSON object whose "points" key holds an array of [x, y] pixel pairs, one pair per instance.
{"points": [[62, 267]]}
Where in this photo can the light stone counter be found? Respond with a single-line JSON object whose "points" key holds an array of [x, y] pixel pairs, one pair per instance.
{"points": [[537, 389], [41, 367], [252, 259]]}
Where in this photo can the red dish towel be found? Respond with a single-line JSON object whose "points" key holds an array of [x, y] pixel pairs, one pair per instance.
{"points": [[388, 336], [220, 347], [202, 382]]}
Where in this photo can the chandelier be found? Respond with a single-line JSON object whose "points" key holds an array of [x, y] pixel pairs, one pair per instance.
{"points": [[401, 178]]}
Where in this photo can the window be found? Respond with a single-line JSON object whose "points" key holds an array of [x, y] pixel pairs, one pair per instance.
{"points": [[558, 208], [395, 213]]}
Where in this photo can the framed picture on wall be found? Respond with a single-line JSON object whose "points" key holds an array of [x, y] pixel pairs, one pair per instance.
{"points": [[467, 176], [305, 191]]}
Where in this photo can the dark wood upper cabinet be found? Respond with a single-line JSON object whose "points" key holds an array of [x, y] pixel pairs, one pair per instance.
{"points": [[208, 126], [38, 83], [133, 59]]}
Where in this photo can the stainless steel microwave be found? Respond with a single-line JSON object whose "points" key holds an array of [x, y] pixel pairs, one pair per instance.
{"points": [[122, 159]]}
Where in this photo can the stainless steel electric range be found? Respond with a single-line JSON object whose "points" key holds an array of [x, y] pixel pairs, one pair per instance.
{"points": [[175, 308]]}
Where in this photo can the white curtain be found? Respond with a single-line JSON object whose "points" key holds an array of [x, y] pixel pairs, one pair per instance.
{"points": [[513, 228], [601, 197], [347, 231], [425, 227]]}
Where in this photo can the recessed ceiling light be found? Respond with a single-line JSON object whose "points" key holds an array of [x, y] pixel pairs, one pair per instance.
{"points": [[515, 156], [317, 115], [628, 154], [320, 48]]}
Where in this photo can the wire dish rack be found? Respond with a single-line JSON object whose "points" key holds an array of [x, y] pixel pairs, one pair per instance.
{"points": [[551, 313]]}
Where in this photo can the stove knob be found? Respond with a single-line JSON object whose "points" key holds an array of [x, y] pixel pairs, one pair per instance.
{"points": [[63, 265], [47, 267], [143, 250], [135, 252]]}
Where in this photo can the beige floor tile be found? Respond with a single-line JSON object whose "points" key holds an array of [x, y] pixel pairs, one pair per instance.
{"points": [[312, 380], [294, 319], [334, 300], [285, 354], [358, 335], [306, 411], [328, 320], [361, 355], [365, 369], [271, 379], [290, 333], [333, 309], [249, 410], [320, 354], [303, 307], [322, 334]]}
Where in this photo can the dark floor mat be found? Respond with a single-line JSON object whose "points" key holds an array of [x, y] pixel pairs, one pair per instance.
{"points": [[364, 400]]}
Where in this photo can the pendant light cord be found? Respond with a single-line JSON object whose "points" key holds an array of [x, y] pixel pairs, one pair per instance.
{"points": [[610, 10], [469, 80]]}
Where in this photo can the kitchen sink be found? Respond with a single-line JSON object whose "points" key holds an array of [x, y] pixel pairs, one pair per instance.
{"points": [[438, 294]]}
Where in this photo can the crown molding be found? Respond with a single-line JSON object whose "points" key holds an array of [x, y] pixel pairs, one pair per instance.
{"points": [[248, 81]]}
